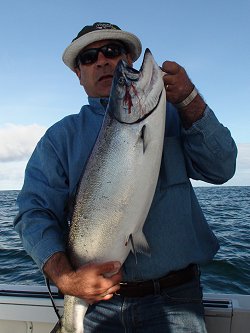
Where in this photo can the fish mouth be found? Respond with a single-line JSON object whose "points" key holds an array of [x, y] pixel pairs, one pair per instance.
{"points": [[146, 74], [130, 73], [136, 94], [151, 77]]}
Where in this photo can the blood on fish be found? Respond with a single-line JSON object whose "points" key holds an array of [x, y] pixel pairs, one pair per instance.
{"points": [[127, 98]]}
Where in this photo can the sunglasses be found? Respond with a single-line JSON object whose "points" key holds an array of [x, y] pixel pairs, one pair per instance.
{"points": [[90, 56]]}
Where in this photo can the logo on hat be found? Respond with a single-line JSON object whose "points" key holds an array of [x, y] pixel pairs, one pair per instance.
{"points": [[104, 25], [96, 26]]}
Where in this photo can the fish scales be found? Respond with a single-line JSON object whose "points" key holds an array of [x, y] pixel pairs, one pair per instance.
{"points": [[111, 177], [119, 181]]}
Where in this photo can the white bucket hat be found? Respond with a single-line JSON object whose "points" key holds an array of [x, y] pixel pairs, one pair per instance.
{"points": [[100, 31]]}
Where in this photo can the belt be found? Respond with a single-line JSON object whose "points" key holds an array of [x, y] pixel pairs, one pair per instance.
{"points": [[153, 287]]}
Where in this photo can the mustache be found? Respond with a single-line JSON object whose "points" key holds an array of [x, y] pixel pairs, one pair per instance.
{"points": [[103, 77], [105, 73]]}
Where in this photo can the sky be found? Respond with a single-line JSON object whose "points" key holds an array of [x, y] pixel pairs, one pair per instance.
{"points": [[210, 39]]}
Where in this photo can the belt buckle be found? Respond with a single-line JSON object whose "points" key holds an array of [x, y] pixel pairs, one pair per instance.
{"points": [[121, 284]]}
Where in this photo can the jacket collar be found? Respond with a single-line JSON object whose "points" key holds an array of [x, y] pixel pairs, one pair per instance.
{"points": [[98, 105]]}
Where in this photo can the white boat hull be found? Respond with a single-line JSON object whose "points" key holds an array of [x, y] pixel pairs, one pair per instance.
{"points": [[25, 309]]}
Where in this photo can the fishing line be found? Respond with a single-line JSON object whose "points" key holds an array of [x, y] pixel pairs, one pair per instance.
{"points": [[51, 298]]}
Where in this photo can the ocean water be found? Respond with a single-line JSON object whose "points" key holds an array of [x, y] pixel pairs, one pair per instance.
{"points": [[227, 210]]}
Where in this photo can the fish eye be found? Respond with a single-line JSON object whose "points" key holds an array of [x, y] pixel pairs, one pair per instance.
{"points": [[121, 81]]}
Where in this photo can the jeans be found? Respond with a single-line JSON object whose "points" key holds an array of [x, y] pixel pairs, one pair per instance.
{"points": [[174, 310]]}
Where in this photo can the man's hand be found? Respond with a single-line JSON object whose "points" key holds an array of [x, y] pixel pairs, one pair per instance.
{"points": [[177, 83], [178, 87], [91, 282]]}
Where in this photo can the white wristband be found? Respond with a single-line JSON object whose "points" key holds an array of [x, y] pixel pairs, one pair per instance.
{"points": [[187, 100]]}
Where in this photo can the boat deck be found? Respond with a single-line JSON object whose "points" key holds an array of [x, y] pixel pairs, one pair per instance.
{"points": [[26, 309]]}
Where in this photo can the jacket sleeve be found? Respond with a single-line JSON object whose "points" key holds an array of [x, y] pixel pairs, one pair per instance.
{"points": [[42, 218], [210, 151]]}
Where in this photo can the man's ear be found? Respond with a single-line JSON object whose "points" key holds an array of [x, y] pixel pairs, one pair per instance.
{"points": [[78, 72], [129, 60]]}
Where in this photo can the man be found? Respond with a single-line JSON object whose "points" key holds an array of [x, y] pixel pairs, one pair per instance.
{"points": [[162, 293]]}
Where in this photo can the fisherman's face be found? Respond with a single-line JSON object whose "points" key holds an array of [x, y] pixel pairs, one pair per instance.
{"points": [[96, 76]]}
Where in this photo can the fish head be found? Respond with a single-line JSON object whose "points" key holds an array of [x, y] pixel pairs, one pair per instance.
{"points": [[135, 94]]}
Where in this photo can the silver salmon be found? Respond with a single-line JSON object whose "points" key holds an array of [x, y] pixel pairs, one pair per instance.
{"points": [[119, 181]]}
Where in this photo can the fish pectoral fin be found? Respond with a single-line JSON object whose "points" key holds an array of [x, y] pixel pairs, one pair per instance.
{"points": [[145, 137], [140, 243]]}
